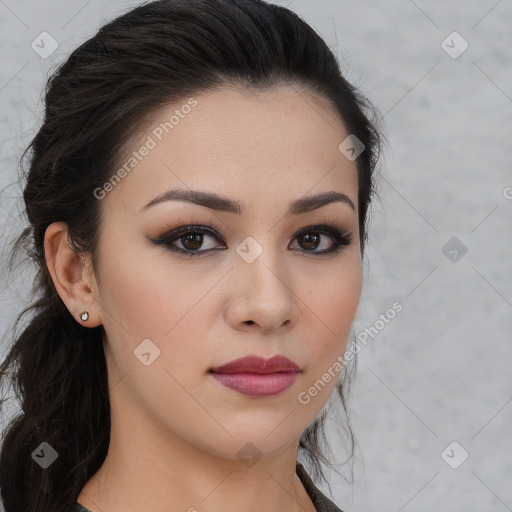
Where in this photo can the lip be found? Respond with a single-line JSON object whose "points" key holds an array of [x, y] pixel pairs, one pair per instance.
{"points": [[257, 364], [256, 376]]}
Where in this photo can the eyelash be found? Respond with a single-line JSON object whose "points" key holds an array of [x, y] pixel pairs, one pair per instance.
{"points": [[340, 238]]}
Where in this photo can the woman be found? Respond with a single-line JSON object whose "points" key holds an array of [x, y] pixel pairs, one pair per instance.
{"points": [[197, 198]]}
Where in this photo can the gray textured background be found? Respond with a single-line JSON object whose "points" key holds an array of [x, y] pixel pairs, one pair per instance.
{"points": [[440, 370]]}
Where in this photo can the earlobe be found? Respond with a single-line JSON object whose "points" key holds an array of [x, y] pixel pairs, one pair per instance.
{"points": [[70, 278]]}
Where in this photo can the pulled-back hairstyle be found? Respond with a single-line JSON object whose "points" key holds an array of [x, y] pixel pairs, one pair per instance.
{"points": [[96, 101]]}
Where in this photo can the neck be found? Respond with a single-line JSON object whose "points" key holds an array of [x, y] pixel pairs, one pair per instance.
{"points": [[149, 467]]}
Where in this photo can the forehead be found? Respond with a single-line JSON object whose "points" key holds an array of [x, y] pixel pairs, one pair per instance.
{"points": [[275, 142]]}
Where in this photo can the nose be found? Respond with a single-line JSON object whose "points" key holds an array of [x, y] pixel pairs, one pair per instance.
{"points": [[261, 294]]}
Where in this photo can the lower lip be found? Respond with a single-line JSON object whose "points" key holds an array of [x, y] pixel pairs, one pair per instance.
{"points": [[254, 384]]}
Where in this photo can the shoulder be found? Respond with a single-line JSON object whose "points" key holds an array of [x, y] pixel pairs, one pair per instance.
{"points": [[321, 502]]}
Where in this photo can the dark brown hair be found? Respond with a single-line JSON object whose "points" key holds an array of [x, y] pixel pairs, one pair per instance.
{"points": [[152, 56]]}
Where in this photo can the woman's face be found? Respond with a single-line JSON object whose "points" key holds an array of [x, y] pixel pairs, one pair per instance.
{"points": [[248, 283]]}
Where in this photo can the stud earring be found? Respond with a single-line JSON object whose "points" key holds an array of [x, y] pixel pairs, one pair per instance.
{"points": [[84, 316]]}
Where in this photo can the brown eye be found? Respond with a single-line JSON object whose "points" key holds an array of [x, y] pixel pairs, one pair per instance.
{"points": [[310, 239], [192, 242], [191, 238]]}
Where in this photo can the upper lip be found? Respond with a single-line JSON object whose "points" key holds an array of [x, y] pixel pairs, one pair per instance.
{"points": [[257, 364]]}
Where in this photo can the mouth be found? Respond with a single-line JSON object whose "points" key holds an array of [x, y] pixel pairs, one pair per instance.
{"points": [[257, 384], [256, 376], [257, 364]]}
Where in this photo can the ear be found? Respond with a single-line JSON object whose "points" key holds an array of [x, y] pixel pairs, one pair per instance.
{"points": [[72, 275]]}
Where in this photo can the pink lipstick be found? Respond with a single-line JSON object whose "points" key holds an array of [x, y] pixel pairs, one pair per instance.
{"points": [[256, 376]]}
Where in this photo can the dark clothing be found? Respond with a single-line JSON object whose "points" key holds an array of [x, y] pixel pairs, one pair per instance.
{"points": [[321, 502]]}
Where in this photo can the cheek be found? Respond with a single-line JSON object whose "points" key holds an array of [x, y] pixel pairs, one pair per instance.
{"points": [[145, 293], [332, 308], [148, 296], [336, 299]]}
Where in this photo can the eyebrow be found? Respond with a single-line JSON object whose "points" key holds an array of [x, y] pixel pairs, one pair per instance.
{"points": [[216, 202]]}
